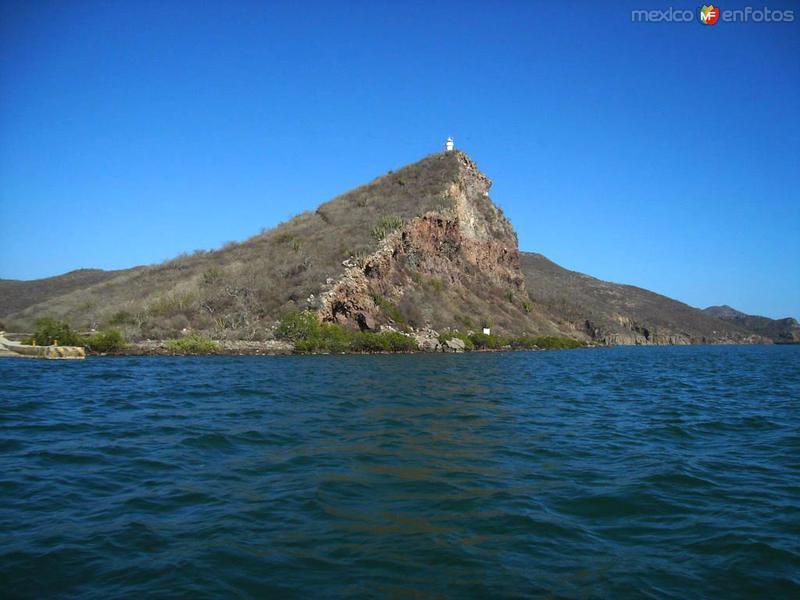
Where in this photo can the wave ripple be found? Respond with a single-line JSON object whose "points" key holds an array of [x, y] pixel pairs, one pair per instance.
{"points": [[629, 472]]}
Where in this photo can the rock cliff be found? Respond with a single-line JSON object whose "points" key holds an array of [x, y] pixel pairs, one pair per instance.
{"points": [[455, 266]]}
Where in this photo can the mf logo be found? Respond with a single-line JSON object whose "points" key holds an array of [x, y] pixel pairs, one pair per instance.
{"points": [[709, 14]]}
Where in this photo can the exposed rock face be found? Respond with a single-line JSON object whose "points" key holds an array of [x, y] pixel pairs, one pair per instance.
{"points": [[468, 249]]}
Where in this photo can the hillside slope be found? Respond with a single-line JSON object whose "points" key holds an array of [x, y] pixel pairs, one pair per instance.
{"points": [[623, 314], [420, 247], [781, 331], [17, 295]]}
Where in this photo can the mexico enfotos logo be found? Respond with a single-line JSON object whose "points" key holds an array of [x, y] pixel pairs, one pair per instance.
{"points": [[711, 14]]}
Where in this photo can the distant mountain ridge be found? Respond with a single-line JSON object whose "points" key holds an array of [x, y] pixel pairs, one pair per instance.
{"points": [[423, 247], [781, 331]]}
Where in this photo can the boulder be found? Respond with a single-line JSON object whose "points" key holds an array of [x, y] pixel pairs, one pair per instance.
{"points": [[428, 341], [454, 345]]}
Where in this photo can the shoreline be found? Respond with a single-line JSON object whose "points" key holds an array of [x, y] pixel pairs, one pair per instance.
{"points": [[158, 348], [154, 350]]}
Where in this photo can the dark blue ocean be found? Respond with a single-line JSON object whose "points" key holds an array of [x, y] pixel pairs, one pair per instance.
{"points": [[668, 472]]}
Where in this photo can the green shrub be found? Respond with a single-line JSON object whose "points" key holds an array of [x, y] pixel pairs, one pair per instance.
{"points": [[369, 342], [192, 344], [309, 335], [385, 341], [546, 342], [385, 225], [327, 337], [106, 341], [297, 325], [485, 341], [399, 342], [49, 331]]}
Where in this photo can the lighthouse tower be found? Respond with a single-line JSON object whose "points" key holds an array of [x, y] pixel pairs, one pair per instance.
{"points": [[448, 145]]}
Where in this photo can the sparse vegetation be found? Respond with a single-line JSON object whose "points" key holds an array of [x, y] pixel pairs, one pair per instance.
{"points": [[211, 275], [434, 284], [169, 304], [121, 317], [389, 309]]}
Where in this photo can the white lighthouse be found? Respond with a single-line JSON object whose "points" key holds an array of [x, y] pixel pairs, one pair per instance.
{"points": [[448, 145]]}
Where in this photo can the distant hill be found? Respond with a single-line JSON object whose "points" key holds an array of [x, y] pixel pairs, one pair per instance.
{"points": [[423, 247], [723, 312], [622, 314], [781, 331], [18, 295]]}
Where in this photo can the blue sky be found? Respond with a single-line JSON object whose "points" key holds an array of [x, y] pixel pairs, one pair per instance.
{"points": [[661, 155]]}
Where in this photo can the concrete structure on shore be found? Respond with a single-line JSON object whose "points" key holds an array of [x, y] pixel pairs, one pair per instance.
{"points": [[19, 350]]}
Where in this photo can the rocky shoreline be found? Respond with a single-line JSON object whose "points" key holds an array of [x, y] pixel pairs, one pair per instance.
{"points": [[280, 348]]}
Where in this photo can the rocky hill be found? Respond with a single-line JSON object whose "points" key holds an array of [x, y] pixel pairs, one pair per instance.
{"points": [[423, 247], [420, 247], [781, 331]]}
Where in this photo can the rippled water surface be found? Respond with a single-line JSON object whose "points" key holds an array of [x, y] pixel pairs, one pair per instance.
{"points": [[638, 472]]}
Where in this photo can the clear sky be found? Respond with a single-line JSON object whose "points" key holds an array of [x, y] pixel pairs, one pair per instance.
{"points": [[665, 155]]}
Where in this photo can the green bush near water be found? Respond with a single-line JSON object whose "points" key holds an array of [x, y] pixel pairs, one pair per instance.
{"points": [[192, 344], [106, 341], [309, 335], [49, 331], [483, 341], [545, 342]]}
